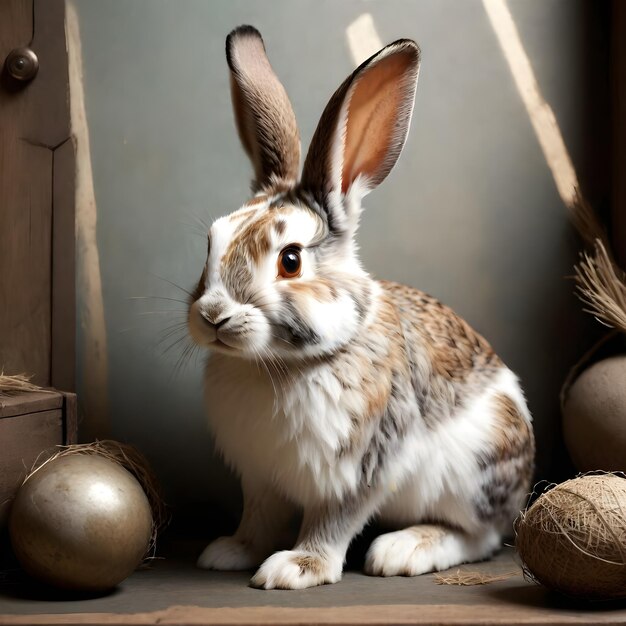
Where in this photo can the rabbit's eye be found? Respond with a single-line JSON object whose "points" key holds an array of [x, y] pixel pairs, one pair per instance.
{"points": [[289, 262]]}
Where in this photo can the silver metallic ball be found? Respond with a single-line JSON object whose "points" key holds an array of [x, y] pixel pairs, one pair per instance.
{"points": [[80, 522]]}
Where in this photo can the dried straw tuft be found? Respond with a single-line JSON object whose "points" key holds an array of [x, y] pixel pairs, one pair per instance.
{"points": [[601, 285], [18, 383], [465, 578], [573, 538], [131, 460]]}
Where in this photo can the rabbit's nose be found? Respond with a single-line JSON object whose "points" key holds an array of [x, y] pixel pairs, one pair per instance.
{"points": [[222, 322], [214, 321]]}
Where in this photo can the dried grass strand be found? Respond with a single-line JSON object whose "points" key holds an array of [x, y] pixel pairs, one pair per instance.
{"points": [[600, 284], [18, 383], [465, 578]]}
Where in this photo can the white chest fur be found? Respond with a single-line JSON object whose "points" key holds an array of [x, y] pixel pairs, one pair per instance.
{"points": [[284, 432]]}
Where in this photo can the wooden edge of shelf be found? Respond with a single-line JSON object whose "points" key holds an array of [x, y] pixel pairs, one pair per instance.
{"points": [[30, 402], [440, 614]]}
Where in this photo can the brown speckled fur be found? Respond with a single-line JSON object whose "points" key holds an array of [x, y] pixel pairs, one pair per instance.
{"points": [[308, 563], [508, 468], [367, 368], [462, 361], [319, 289], [455, 348], [439, 342], [513, 435], [243, 216], [259, 199], [428, 534]]}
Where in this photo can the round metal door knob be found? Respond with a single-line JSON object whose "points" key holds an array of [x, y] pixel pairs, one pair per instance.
{"points": [[22, 64]]}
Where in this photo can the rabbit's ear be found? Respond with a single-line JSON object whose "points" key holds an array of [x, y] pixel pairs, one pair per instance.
{"points": [[265, 119], [363, 128]]}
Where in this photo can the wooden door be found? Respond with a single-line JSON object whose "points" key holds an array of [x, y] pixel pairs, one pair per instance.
{"points": [[37, 304]]}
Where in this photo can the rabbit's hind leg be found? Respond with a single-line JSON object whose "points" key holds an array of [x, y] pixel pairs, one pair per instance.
{"points": [[427, 548]]}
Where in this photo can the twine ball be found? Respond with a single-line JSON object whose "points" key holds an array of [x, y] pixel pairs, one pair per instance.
{"points": [[81, 522], [573, 538], [594, 416]]}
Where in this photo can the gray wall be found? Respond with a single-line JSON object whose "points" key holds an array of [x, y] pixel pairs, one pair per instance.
{"points": [[470, 214]]}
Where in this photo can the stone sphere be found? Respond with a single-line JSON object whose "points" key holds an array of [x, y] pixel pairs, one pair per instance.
{"points": [[594, 417], [80, 522]]}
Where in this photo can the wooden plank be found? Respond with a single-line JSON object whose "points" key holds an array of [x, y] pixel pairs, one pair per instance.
{"points": [[49, 119], [618, 79], [440, 614], [23, 438], [34, 121], [31, 402], [16, 25], [25, 205], [63, 346], [25, 225], [53, 130]]}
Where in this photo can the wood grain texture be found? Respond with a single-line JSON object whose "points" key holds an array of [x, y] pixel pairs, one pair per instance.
{"points": [[34, 121], [63, 348], [23, 438], [438, 614], [31, 423], [16, 26], [25, 226], [48, 113], [31, 402]]}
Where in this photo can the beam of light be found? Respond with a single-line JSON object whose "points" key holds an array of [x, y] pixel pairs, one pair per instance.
{"points": [[363, 40], [541, 115], [88, 275]]}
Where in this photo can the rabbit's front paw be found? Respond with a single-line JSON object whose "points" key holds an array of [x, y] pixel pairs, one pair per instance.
{"points": [[409, 552], [426, 548], [297, 569], [228, 553]]}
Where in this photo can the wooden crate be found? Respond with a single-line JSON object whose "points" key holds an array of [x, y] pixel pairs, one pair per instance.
{"points": [[29, 424]]}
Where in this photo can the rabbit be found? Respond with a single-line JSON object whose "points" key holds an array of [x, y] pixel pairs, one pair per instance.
{"points": [[331, 394]]}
